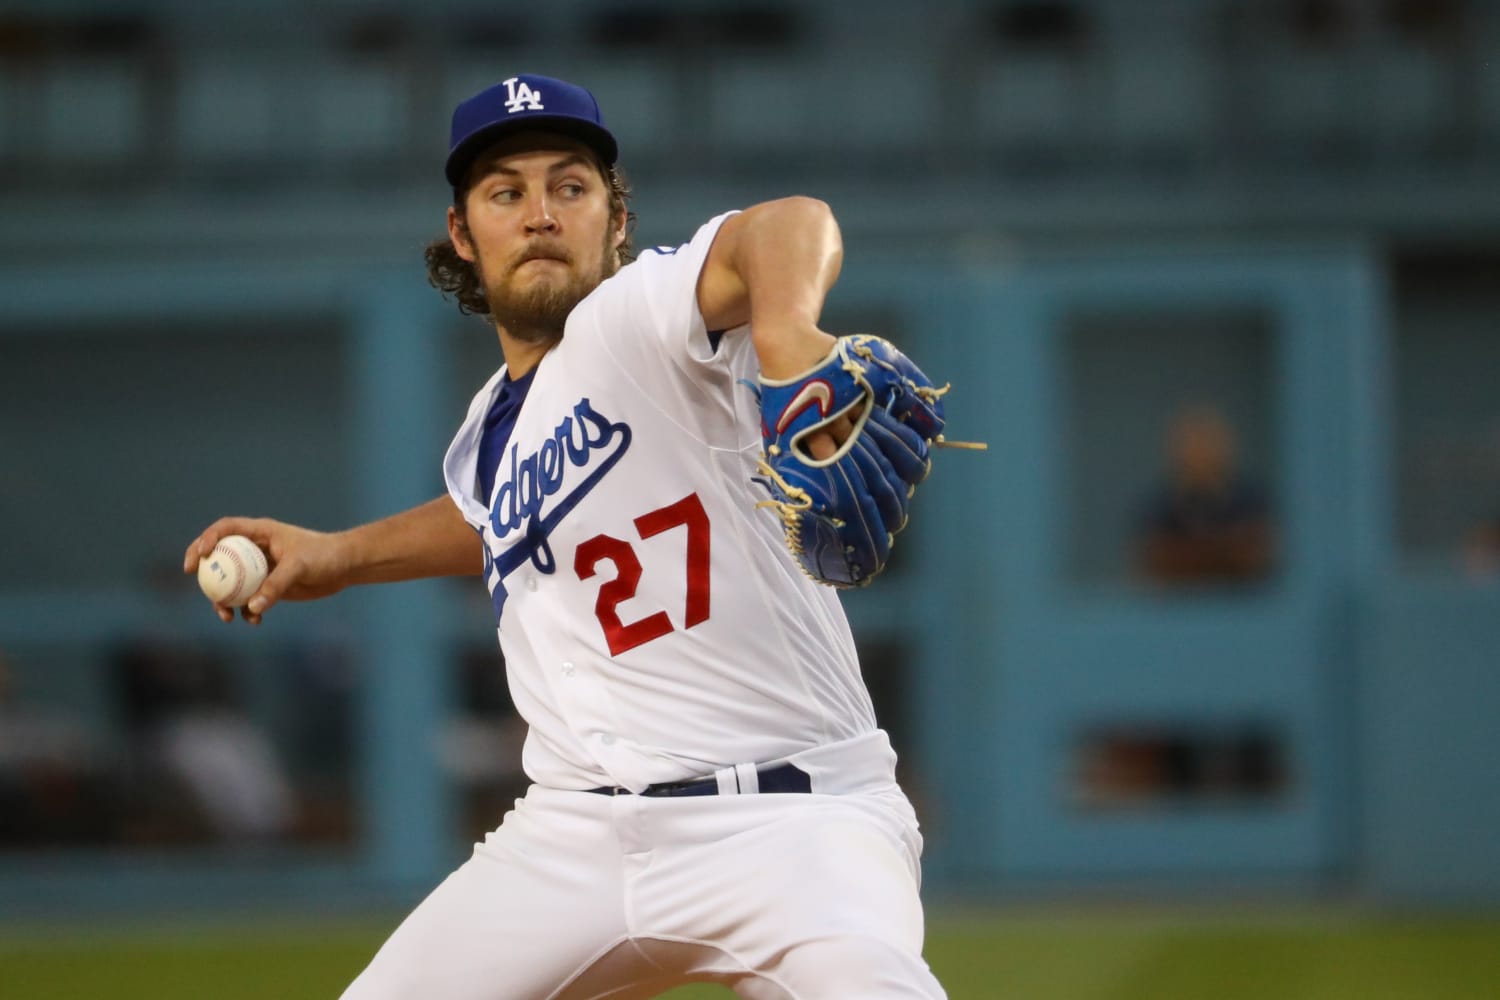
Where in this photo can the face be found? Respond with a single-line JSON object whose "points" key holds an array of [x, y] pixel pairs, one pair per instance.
{"points": [[1202, 448], [536, 226]]}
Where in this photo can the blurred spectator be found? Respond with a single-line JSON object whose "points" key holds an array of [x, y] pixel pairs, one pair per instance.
{"points": [[51, 785], [1482, 550], [202, 765], [1206, 523]]}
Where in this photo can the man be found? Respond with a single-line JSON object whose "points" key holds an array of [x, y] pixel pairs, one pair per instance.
{"points": [[1206, 523], [712, 799]]}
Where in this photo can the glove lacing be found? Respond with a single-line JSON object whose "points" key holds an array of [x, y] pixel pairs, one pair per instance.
{"points": [[789, 510], [928, 394]]}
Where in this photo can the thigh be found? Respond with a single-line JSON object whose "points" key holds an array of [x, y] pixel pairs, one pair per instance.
{"points": [[801, 897], [539, 902]]}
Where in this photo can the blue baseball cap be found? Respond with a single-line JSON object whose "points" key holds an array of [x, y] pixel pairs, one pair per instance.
{"points": [[525, 101]]}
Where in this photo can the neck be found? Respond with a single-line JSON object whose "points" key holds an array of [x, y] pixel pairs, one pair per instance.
{"points": [[524, 353]]}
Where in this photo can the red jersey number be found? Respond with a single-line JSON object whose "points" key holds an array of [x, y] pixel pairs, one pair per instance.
{"points": [[685, 513]]}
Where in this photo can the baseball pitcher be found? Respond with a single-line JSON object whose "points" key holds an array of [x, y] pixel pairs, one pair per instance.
{"points": [[663, 488]]}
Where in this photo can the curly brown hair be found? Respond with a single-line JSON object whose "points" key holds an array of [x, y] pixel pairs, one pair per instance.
{"points": [[452, 275]]}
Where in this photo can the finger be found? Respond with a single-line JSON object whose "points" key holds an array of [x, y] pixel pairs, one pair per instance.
{"points": [[255, 528], [821, 445], [825, 442], [196, 550], [204, 543], [283, 575], [840, 427], [226, 615], [250, 616]]}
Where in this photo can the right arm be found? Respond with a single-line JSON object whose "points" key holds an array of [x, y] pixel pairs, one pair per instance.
{"points": [[771, 266], [429, 540]]}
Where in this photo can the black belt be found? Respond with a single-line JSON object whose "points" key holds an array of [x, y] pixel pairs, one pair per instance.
{"points": [[778, 779]]}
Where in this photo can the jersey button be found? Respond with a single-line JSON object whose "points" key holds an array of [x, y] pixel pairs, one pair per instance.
{"points": [[531, 583], [567, 669], [608, 739]]}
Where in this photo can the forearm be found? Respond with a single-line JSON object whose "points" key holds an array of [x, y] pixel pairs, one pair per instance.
{"points": [[430, 540], [779, 260]]}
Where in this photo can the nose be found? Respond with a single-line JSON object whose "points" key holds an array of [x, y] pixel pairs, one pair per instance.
{"points": [[539, 216]]}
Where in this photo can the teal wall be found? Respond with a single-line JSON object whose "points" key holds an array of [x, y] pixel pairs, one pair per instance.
{"points": [[324, 393]]}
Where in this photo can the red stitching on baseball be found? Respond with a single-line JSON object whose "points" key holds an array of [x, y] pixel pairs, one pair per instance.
{"points": [[235, 558]]}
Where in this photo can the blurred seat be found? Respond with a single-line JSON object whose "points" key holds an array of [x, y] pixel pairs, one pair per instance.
{"points": [[92, 109], [1304, 97], [294, 108], [357, 107], [226, 105], [1411, 97], [855, 100], [1487, 84], [10, 105], [1035, 101], [1164, 92]]}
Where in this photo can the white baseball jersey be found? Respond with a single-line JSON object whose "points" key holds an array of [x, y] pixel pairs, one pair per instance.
{"points": [[654, 626], [656, 629]]}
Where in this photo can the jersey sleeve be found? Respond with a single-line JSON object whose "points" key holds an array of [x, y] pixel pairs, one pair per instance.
{"points": [[668, 278], [645, 319]]}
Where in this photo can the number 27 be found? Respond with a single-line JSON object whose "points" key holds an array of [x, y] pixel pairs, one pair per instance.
{"points": [[621, 636]]}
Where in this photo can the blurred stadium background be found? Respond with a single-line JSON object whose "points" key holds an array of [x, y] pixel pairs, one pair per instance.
{"points": [[1250, 757]]}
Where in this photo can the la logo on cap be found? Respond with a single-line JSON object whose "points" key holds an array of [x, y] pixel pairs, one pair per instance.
{"points": [[521, 98]]}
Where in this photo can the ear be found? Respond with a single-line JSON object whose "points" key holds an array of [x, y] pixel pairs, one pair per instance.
{"points": [[458, 234], [622, 226]]}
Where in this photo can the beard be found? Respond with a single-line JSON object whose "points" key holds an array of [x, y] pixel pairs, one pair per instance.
{"points": [[536, 312]]}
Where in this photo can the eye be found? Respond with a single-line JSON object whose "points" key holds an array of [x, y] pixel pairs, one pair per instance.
{"points": [[504, 194], [571, 189]]}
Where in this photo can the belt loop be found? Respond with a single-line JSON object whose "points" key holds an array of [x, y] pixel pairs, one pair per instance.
{"points": [[749, 778], [728, 783]]}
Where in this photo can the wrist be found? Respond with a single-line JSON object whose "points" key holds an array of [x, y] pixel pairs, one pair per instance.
{"points": [[786, 352], [346, 557]]}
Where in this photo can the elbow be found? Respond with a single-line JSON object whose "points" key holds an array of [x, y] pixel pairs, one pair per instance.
{"points": [[808, 205], [799, 214], [803, 228], [807, 214]]}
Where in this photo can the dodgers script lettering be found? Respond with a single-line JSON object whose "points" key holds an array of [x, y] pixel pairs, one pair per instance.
{"points": [[541, 474]]}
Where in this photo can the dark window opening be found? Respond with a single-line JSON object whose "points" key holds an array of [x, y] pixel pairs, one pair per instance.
{"points": [[1153, 765]]}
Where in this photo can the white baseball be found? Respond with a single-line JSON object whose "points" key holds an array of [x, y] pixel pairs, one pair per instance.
{"points": [[233, 571]]}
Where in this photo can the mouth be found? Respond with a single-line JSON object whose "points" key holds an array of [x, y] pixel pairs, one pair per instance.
{"points": [[540, 268], [543, 255]]}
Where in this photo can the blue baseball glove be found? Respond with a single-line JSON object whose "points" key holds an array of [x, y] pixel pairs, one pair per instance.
{"points": [[840, 513]]}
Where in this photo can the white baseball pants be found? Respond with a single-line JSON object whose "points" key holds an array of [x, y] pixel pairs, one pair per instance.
{"points": [[579, 895]]}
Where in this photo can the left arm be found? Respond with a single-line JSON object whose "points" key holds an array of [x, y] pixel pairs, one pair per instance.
{"points": [[771, 266], [840, 495]]}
